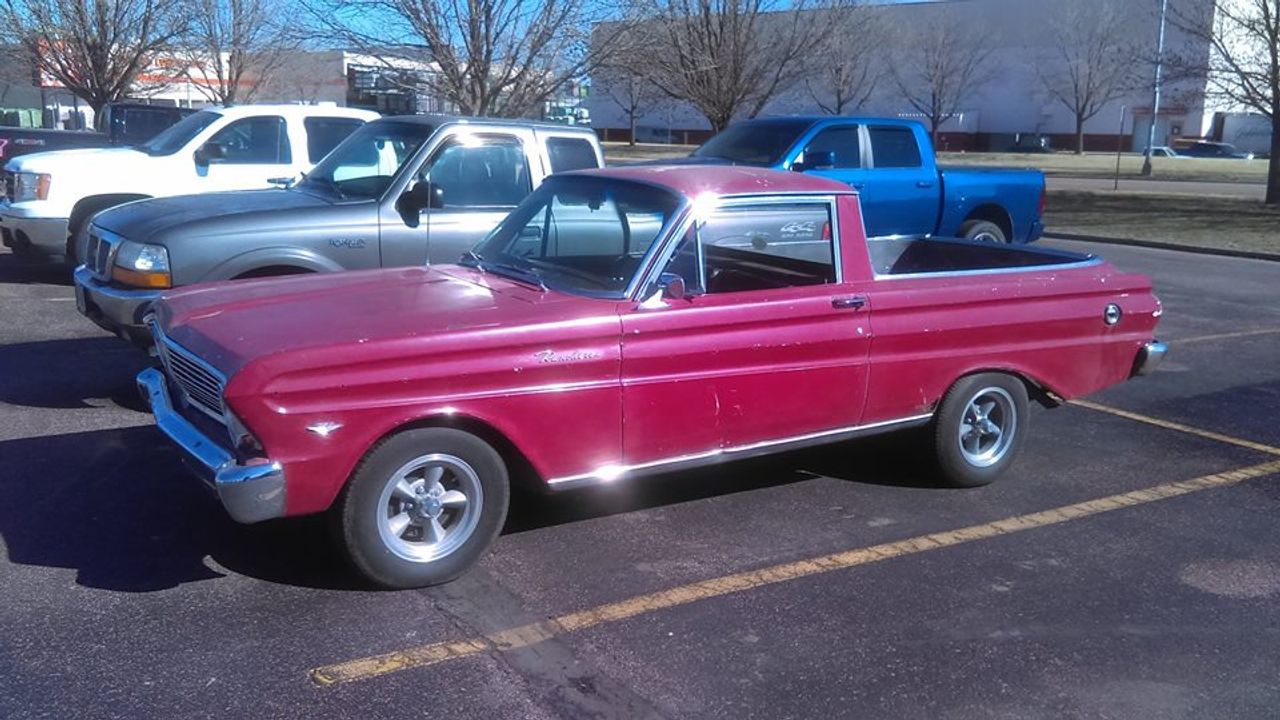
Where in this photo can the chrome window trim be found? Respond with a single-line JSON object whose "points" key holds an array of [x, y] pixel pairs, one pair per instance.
{"points": [[609, 473]]}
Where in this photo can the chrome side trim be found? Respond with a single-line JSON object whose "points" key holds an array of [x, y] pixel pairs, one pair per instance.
{"points": [[250, 493], [610, 473]]}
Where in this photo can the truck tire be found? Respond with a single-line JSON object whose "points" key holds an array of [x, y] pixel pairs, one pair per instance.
{"points": [[979, 428], [422, 507], [983, 231]]}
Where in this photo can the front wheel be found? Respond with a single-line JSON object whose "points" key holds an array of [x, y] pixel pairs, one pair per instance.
{"points": [[422, 507], [980, 428]]}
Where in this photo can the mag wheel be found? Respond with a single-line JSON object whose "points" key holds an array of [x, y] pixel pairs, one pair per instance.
{"points": [[423, 507], [983, 231], [980, 428]]}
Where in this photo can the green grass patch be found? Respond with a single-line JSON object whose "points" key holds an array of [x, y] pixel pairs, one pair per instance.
{"points": [[1216, 222]]}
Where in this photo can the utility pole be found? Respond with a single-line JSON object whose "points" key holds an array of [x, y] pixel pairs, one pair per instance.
{"points": [[1155, 102]]}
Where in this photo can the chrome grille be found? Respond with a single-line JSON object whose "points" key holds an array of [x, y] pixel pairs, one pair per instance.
{"points": [[201, 385], [100, 252]]}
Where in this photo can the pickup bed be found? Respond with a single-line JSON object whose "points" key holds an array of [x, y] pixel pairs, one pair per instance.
{"points": [[398, 191], [50, 197], [620, 323], [891, 163]]}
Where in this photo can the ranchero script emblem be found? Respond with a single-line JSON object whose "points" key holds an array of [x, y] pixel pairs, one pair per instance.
{"points": [[551, 356]]}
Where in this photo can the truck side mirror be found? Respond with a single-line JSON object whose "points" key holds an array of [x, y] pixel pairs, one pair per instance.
{"points": [[672, 286], [423, 194], [210, 152], [816, 160]]}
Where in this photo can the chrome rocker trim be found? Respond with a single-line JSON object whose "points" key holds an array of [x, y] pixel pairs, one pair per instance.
{"points": [[610, 473], [250, 493], [1149, 357]]}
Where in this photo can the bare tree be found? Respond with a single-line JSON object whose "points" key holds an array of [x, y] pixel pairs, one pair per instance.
{"points": [[845, 72], [490, 57], [97, 50], [633, 94], [729, 58], [942, 61], [232, 47], [1242, 64], [1089, 60]]}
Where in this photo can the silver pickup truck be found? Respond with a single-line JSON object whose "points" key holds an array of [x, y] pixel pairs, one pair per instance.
{"points": [[398, 191]]}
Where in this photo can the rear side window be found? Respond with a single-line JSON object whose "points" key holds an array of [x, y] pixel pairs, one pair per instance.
{"points": [[571, 154], [255, 141], [324, 134], [843, 142], [894, 147]]}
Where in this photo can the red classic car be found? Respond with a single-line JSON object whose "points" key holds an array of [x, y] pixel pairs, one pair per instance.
{"points": [[619, 323]]}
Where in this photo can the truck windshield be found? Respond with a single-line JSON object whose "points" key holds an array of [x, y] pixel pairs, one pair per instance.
{"points": [[178, 135], [363, 166], [762, 142], [579, 234]]}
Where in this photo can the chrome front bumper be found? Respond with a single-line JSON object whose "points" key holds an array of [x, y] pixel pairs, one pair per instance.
{"points": [[1149, 357], [117, 310], [250, 493]]}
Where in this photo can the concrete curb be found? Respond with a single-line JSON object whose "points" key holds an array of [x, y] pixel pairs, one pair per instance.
{"points": [[1224, 252]]}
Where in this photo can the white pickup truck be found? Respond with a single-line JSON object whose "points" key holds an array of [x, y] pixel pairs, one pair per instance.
{"points": [[49, 197]]}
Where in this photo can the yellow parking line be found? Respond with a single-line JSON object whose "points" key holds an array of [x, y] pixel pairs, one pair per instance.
{"points": [[1225, 336], [526, 635], [1168, 425]]}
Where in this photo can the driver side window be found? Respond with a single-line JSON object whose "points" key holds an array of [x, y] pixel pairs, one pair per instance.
{"points": [[491, 173], [254, 141]]}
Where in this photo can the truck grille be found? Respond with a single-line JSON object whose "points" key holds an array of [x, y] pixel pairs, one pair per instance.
{"points": [[201, 386], [100, 252], [9, 182]]}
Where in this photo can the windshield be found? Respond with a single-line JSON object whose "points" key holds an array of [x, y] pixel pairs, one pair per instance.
{"points": [[363, 165], [176, 136], [579, 234], [754, 143]]}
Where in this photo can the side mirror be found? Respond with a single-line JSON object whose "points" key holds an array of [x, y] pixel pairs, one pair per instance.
{"points": [[424, 195], [672, 286], [210, 152], [816, 160]]}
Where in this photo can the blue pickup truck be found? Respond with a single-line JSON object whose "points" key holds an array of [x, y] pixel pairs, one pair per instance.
{"points": [[892, 165]]}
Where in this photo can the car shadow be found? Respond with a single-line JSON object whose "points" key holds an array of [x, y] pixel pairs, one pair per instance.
{"points": [[19, 270], [119, 509], [68, 374]]}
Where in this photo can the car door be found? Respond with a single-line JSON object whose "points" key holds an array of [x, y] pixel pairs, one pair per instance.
{"points": [[770, 346], [246, 154], [901, 194], [477, 179]]}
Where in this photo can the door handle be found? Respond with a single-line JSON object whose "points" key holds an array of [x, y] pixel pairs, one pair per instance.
{"points": [[848, 303], [924, 184], [857, 185]]}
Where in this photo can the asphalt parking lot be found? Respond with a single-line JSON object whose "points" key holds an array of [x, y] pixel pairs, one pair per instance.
{"points": [[1129, 566]]}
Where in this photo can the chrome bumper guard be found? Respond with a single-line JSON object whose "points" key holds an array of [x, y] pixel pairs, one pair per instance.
{"points": [[1149, 357], [250, 493]]}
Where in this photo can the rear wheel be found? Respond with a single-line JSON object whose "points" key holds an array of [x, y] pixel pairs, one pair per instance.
{"points": [[980, 428], [422, 507], [983, 231]]}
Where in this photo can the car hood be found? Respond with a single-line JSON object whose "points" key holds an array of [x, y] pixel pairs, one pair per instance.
{"points": [[232, 324], [117, 159], [145, 220]]}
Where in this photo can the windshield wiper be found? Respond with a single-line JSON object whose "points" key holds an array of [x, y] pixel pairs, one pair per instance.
{"points": [[528, 276], [327, 183]]}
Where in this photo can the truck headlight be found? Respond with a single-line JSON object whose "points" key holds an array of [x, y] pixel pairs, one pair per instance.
{"points": [[31, 186], [142, 265]]}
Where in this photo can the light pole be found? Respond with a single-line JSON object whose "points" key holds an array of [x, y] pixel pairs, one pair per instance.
{"points": [[1155, 102]]}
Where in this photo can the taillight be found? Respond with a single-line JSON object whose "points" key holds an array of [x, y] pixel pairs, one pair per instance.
{"points": [[826, 230], [1044, 197]]}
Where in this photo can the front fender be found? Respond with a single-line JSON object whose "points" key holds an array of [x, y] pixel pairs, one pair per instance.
{"points": [[294, 257]]}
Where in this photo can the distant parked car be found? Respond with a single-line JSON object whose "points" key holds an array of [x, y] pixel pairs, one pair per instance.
{"points": [[1164, 151], [891, 163], [1205, 149], [117, 124]]}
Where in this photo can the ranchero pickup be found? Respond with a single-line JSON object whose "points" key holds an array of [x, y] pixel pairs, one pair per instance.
{"points": [[619, 323]]}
